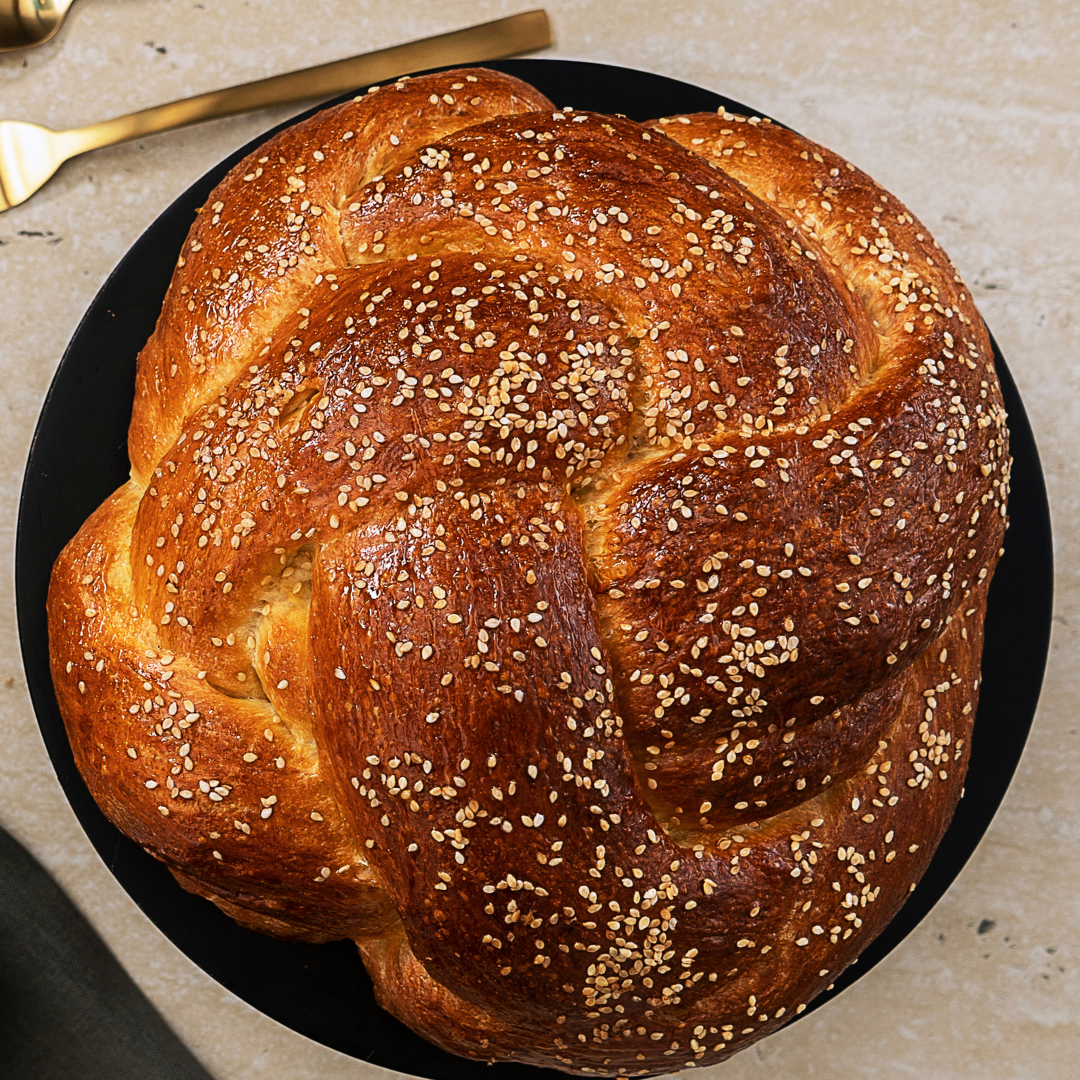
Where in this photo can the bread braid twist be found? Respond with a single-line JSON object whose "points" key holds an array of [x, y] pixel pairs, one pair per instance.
{"points": [[555, 557]]}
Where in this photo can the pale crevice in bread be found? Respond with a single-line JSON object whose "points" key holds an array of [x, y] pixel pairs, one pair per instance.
{"points": [[574, 553], [134, 774]]}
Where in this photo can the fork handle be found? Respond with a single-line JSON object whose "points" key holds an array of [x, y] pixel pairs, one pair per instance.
{"points": [[486, 41]]}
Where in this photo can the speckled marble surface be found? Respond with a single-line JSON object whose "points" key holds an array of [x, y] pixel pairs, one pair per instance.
{"points": [[966, 111]]}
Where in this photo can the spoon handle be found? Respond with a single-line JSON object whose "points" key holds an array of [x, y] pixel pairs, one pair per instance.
{"points": [[487, 41]]}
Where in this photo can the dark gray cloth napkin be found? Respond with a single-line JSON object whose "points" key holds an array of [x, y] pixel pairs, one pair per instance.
{"points": [[68, 1010]]}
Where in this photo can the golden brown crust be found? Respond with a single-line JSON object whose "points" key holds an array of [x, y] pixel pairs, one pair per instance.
{"points": [[557, 562], [240, 270]]}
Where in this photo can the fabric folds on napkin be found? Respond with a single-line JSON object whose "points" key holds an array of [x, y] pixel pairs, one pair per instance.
{"points": [[68, 1010]]}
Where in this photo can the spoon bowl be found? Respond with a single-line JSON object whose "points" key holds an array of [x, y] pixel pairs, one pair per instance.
{"points": [[26, 23]]}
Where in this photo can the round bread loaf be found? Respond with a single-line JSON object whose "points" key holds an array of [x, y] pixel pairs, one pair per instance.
{"points": [[555, 557]]}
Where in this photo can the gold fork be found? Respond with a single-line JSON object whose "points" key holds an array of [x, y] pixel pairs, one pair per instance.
{"points": [[30, 154]]}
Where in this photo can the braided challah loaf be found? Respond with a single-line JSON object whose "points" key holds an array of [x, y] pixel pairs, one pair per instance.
{"points": [[555, 557]]}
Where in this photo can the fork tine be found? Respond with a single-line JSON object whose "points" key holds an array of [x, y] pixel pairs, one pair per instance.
{"points": [[5, 174]]}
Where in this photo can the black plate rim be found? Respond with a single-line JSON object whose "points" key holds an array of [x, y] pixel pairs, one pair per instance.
{"points": [[1029, 510]]}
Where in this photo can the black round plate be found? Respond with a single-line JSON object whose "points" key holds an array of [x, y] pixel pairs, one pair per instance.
{"points": [[79, 457]]}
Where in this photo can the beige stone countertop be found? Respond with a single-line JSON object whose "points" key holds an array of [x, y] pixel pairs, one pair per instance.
{"points": [[967, 111]]}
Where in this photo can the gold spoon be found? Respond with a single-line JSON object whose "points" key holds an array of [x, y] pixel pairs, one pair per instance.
{"points": [[25, 23], [30, 154]]}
